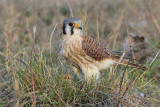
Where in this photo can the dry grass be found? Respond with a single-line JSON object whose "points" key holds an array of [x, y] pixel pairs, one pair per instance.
{"points": [[32, 73]]}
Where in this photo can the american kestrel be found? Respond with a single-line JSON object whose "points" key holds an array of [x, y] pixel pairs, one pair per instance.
{"points": [[86, 55]]}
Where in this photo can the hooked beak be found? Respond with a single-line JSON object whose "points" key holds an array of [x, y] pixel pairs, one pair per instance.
{"points": [[78, 26]]}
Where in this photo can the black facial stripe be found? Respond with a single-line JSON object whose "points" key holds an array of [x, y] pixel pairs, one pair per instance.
{"points": [[64, 31], [72, 27]]}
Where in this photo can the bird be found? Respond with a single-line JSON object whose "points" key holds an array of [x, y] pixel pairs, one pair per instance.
{"points": [[86, 55]]}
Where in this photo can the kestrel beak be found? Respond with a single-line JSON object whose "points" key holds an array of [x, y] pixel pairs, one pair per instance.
{"points": [[78, 26]]}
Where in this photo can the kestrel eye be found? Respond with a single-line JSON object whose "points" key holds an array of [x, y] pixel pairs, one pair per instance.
{"points": [[71, 24]]}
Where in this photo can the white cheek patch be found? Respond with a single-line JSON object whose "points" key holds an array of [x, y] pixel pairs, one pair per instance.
{"points": [[68, 30]]}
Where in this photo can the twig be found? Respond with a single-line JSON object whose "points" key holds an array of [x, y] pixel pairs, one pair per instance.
{"points": [[24, 80], [155, 23], [51, 37], [114, 98], [128, 86], [97, 87], [58, 15], [97, 31], [70, 8], [124, 52], [15, 55], [117, 29], [125, 90], [154, 58], [7, 47], [123, 76], [34, 96], [16, 89], [112, 37], [131, 48], [122, 81], [148, 66], [20, 60]]}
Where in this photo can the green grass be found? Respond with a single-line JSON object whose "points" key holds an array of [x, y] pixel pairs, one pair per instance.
{"points": [[52, 88]]}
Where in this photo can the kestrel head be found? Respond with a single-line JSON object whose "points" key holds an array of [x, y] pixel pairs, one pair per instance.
{"points": [[72, 26]]}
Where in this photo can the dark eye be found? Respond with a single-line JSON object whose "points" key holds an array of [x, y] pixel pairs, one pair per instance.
{"points": [[71, 24]]}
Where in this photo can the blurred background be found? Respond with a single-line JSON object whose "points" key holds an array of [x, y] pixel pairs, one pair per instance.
{"points": [[119, 17], [133, 25]]}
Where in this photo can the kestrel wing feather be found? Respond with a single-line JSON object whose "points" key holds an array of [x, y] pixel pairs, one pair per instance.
{"points": [[94, 49]]}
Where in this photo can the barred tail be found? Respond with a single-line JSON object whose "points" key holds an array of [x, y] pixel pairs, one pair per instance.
{"points": [[127, 63]]}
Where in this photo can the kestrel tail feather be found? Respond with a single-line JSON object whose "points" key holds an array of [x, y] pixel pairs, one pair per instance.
{"points": [[127, 63]]}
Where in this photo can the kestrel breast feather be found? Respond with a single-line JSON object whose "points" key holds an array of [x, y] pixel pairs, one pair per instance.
{"points": [[86, 54]]}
